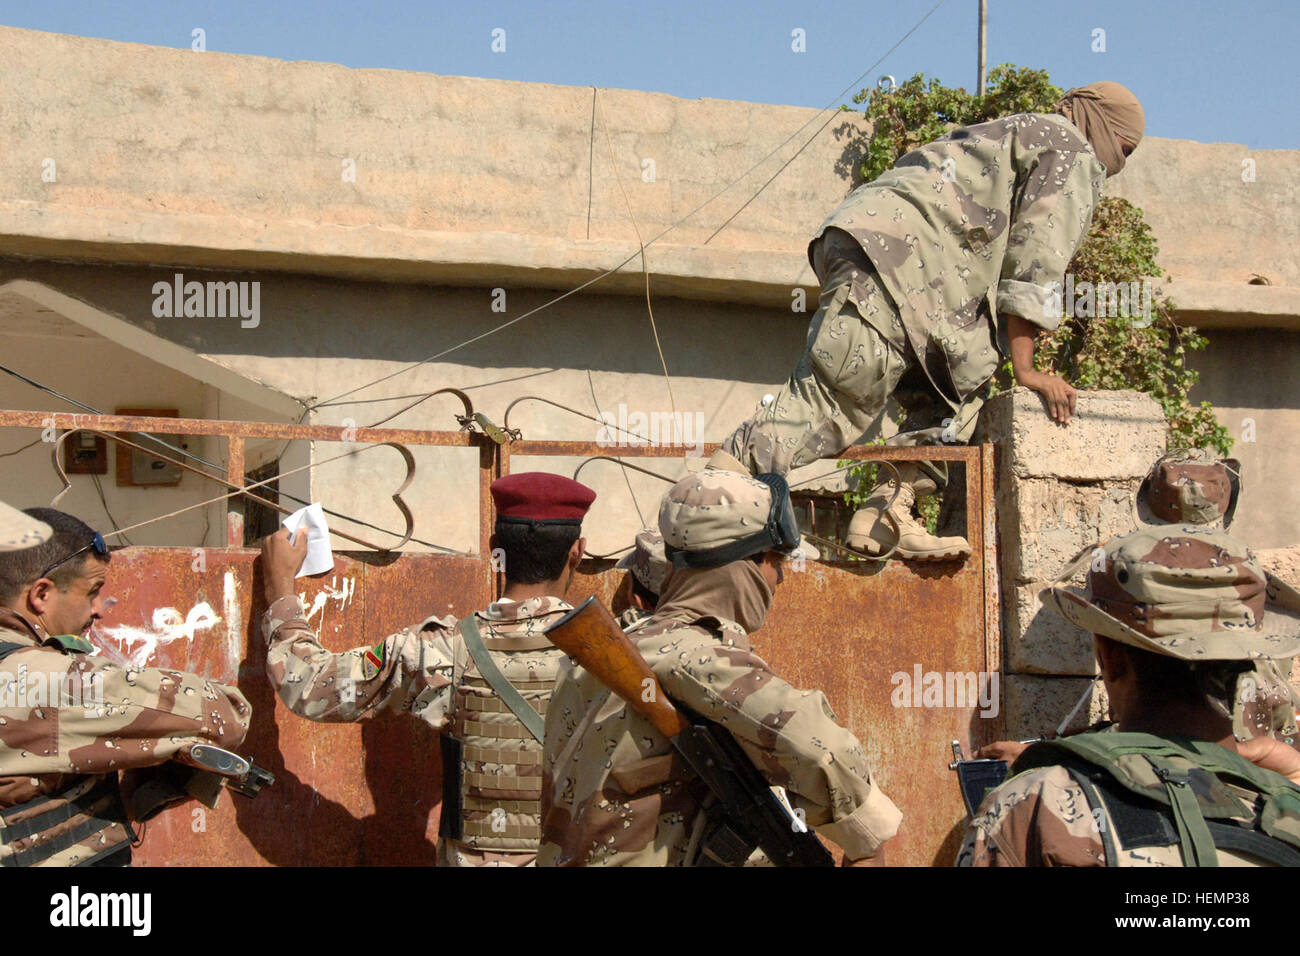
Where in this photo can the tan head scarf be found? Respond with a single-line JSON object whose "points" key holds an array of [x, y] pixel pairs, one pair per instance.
{"points": [[736, 591], [1102, 112]]}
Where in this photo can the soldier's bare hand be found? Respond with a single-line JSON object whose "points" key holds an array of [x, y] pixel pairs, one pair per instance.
{"points": [[1007, 750], [1058, 393], [1271, 754], [282, 557]]}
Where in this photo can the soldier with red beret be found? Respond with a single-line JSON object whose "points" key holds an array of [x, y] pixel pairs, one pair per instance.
{"points": [[482, 682]]}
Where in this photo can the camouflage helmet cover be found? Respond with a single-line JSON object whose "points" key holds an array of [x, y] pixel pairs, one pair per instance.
{"points": [[19, 531], [715, 517]]}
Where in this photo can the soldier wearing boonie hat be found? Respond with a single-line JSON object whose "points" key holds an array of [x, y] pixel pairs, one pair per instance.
{"points": [[1192, 487], [647, 566], [1180, 615], [616, 795], [483, 683]]}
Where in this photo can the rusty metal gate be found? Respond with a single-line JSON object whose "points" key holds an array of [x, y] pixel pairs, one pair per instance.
{"points": [[368, 793]]}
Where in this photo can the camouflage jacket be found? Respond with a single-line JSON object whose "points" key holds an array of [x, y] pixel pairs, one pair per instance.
{"points": [[1042, 817], [414, 670], [634, 618], [615, 794], [69, 721], [978, 223]]}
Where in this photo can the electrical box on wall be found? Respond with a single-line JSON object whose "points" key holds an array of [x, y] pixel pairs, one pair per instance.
{"points": [[147, 468], [85, 454]]}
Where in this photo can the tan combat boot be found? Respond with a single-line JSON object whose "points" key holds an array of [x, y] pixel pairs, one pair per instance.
{"points": [[873, 534]]}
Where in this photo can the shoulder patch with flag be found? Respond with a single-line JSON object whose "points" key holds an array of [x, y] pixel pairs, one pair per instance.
{"points": [[373, 661]]}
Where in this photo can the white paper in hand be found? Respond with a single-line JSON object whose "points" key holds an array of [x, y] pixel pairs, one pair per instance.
{"points": [[312, 520]]}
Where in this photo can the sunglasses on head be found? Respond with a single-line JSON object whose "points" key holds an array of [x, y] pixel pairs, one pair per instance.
{"points": [[96, 545]]}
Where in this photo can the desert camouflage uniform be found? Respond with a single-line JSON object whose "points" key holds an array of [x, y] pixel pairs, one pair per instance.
{"points": [[915, 267], [62, 759], [1184, 591], [1193, 488], [1042, 818], [426, 671], [619, 796], [1269, 704], [649, 566]]}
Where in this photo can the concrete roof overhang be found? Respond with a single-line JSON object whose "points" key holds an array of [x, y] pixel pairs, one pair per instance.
{"points": [[26, 303]]}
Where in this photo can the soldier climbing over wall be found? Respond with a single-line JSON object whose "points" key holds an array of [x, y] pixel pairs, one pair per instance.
{"points": [[918, 269]]}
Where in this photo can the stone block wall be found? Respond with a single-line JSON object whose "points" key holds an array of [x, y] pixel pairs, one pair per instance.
{"points": [[1285, 564], [1060, 489]]}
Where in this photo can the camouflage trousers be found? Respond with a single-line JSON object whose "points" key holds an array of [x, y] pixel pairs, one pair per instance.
{"points": [[857, 356]]}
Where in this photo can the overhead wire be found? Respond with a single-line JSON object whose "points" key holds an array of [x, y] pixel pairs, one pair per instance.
{"points": [[203, 461], [117, 530], [643, 245], [604, 275], [19, 451], [645, 265]]}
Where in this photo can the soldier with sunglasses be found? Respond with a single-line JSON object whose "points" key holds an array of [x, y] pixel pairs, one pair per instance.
{"points": [[70, 721]]}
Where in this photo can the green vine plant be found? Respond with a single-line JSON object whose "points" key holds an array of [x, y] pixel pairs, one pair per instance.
{"points": [[1141, 347]]}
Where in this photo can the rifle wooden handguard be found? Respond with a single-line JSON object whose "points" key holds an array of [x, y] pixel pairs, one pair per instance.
{"points": [[590, 635]]}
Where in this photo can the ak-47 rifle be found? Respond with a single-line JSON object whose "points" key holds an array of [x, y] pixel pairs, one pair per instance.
{"points": [[748, 814], [240, 774], [977, 776], [200, 772]]}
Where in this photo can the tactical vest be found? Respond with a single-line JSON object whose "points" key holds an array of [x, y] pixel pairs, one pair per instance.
{"points": [[492, 763], [88, 811], [1163, 791]]}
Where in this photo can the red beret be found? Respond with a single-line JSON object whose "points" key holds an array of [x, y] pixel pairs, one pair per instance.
{"points": [[539, 496]]}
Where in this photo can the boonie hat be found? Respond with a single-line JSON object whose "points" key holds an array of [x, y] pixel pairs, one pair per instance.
{"points": [[1184, 591]]}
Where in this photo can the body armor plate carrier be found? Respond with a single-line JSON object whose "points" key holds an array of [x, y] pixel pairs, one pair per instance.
{"points": [[1162, 791], [492, 762]]}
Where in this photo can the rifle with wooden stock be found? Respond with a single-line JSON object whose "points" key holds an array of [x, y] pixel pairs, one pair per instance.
{"points": [[747, 813]]}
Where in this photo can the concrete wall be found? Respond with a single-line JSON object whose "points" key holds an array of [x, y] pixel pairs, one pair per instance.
{"points": [[1252, 376], [462, 185], [1060, 489], [220, 159], [1223, 215], [321, 337], [227, 160], [109, 377]]}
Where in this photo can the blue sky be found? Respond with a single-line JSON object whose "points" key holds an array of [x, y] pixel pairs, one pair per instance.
{"points": [[1208, 71]]}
